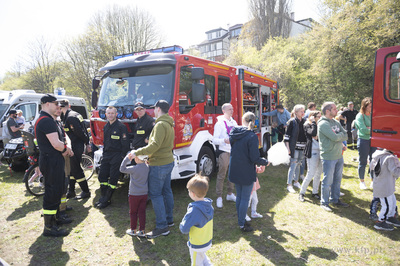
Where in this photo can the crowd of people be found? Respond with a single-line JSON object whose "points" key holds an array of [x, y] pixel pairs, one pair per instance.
{"points": [[314, 140]]}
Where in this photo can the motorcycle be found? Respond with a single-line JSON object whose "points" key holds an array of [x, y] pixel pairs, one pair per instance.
{"points": [[15, 155]]}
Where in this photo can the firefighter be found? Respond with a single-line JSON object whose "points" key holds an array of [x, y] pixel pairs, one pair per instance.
{"points": [[77, 132], [51, 163], [116, 146], [143, 127]]}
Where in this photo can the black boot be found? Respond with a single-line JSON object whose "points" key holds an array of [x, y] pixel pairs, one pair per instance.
{"points": [[71, 189], [85, 190], [107, 199], [50, 227], [62, 218], [103, 191]]}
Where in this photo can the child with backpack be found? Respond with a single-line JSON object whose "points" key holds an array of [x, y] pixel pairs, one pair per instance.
{"points": [[386, 167]]}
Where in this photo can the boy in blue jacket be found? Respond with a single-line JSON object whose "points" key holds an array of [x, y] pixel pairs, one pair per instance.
{"points": [[198, 221]]}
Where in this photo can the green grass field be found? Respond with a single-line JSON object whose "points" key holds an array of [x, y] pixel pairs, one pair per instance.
{"points": [[291, 232]]}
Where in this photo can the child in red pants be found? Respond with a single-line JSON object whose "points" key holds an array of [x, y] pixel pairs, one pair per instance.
{"points": [[138, 189]]}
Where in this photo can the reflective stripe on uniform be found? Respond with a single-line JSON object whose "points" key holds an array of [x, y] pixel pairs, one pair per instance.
{"points": [[71, 177], [81, 179], [66, 129], [63, 200], [49, 212], [114, 137], [112, 186], [140, 132], [104, 183]]}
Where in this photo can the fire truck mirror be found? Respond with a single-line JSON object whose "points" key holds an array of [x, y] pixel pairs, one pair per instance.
{"points": [[94, 99], [95, 83], [197, 73], [198, 93]]}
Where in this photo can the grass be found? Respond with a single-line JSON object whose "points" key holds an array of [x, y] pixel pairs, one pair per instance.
{"points": [[291, 232]]}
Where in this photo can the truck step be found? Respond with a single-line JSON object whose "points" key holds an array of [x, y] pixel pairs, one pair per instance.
{"points": [[187, 173]]}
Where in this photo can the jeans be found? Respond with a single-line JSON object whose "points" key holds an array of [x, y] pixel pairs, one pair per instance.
{"points": [[160, 193], [294, 168], [242, 201], [313, 173], [330, 187], [364, 150]]}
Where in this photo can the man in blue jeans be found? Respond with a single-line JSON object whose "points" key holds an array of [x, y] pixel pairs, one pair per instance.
{"points": [[331, 136], [161, 163]]}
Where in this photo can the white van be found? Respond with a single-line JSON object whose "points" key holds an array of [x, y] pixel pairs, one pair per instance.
{"points": [[29, 102]]}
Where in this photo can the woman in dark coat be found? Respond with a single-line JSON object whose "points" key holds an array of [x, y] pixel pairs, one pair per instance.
{"points": [[242, 165]]}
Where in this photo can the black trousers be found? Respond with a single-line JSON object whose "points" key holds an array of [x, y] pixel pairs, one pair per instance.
{"points": [[109, 168], [76, 169], [52, 168]]}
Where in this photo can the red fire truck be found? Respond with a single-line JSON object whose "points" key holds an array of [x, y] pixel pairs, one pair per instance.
{"points": [[386, 100], [195, 88]]}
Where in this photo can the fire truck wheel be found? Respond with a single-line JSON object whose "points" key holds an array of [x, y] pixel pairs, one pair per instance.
{"points": [[206, 161]]}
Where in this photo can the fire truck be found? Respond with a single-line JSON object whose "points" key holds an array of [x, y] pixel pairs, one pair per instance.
{"points": [[195, 88], [385, 131]]}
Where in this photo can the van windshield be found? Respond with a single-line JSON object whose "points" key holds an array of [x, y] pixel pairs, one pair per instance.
{"points": [[3, 109], [144, 84]]}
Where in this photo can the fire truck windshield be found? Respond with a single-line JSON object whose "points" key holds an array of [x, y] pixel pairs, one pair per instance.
{"points": [[143, 84]]}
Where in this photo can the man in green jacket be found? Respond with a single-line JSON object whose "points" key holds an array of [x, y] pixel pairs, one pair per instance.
{"points": [[331, 136], [161, 163]]}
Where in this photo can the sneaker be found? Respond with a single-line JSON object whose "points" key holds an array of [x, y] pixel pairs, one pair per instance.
{"points": [[171, 224], [301, 197], [326, 207], [71, 194], [341, 194], [393, 221], [141, 234], [290, 189], [158, 232], [363, 186], [247, 218], [383, 226], [256, 215], [374, 217], [231, 197], [316, 196], [297, 184], [219, 203], [341, 204], [371, 186], [83, 195], [131, 232]]}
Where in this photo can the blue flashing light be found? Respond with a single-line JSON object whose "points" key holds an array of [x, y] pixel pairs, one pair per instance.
{"points": [[175, 49], [128, 113], [102, 114], [120, 113]]}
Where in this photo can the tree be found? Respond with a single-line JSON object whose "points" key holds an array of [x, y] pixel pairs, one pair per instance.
{"points": [[269, 19]]}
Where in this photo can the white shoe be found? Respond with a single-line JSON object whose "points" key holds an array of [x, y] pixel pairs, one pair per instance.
{"points": [[362, 185], [372, 185], [131, 232], [231, 197], [341, 194], [248, 218], [290, 189], [256, 215], [219, 203], [297, 184]]}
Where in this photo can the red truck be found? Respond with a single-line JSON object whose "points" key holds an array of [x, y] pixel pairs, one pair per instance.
{"points": [[195, 89], [386, 100]]}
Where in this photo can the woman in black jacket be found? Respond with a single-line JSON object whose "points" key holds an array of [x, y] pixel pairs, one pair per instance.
{"points": [[242, 165]]}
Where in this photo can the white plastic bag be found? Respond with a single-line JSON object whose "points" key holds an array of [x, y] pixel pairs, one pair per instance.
{"points": [[278, 154]]}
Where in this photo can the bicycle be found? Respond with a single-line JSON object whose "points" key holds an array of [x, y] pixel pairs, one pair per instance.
{"points": [[33, 179]]}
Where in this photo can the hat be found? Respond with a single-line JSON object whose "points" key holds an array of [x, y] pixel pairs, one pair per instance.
{"points": [[139, 105], [48, 98], [63, 103], [350, 103], [12, 111], [164, 105]]}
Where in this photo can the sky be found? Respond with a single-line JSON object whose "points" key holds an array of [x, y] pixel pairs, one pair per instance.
{"points": [[182, 22]]}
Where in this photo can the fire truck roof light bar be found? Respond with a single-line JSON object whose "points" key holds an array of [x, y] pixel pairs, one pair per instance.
{"points": [[174, 49]]}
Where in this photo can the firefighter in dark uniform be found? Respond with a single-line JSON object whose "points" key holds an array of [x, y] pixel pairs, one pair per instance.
{"points": [[51, 163], [77, 133], [116, 146], [143, 127]]}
